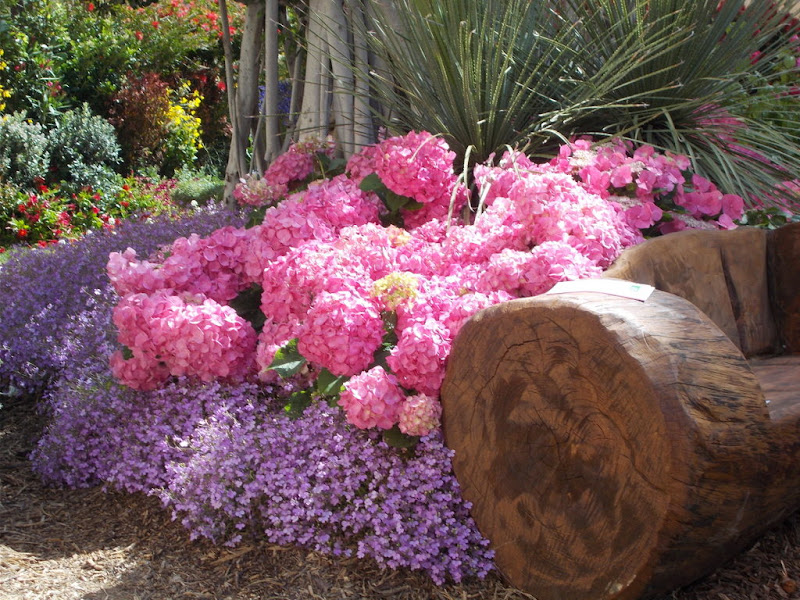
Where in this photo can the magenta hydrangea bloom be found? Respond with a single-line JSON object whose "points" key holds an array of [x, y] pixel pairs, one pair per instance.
{"points": [[341, 332], [372, 399], [140, 372], [186, 334], [417, 165], [420, 355]]}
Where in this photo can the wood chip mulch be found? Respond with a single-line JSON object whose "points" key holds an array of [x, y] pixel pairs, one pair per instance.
{"points": [[96, 545]]}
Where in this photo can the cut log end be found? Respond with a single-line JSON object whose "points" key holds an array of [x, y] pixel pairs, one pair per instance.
{"points": [[582, 439], [563, 467]]}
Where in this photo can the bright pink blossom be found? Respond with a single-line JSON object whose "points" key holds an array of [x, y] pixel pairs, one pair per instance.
{"points": [[372, 399], [341, 331], [420, 355]]}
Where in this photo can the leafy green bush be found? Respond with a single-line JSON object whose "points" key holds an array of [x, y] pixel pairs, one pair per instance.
{"points": [[197, 187], [24, 151], [83, 150], [34, 36]]}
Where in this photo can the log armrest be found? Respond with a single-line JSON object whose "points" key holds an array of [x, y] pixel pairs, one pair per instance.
{"points": [[783, 266], [612, 448]]}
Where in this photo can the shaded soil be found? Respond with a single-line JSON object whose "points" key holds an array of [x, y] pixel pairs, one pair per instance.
{"points": [[97, 545]]}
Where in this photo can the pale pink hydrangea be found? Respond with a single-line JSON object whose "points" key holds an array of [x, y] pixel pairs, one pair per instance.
{"points": [[372, 399], [418, 360], [255, 190], [420, 415], [213, 266], [341, 332], [129, 275]]}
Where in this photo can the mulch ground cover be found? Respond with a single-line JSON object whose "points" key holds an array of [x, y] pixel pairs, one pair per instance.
{"points": [[92, 544]]}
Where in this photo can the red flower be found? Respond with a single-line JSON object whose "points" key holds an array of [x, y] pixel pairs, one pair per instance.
{"points": [[2, 249], [95, 210], [42, 244], [139, 35], [221, 85], [125, 204], [90, 6], [22, 233], [126, 187], [154, 24]]}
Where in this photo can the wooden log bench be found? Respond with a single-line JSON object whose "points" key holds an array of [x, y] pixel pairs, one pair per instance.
{"points": [[614, 448]]}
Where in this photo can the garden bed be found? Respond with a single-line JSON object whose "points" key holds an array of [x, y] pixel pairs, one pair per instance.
{"points": [[91, 544]]}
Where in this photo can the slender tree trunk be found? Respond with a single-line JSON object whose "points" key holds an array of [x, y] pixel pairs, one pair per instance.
{"points": [[363, 131], [310, 122], [236, 153], [271, 94], [342, 76]]}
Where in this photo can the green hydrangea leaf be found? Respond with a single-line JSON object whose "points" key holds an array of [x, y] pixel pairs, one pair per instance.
{"points": [[288, 361]]}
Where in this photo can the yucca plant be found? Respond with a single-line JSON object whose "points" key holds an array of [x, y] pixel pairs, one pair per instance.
{"points": [[699, 96], [673, 73], [493, 73]]}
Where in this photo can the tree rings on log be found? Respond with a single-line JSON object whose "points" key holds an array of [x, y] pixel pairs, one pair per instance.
{"points": [[599, 460]]}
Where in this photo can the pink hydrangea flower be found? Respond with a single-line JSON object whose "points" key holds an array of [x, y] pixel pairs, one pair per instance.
{"points": [[420, 415], [420, 355], [372, 399], [417, 165], [188, 334], [140, 372], [341, 332]]}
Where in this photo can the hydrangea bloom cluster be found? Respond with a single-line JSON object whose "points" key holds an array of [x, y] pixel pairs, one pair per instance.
{"points": [[41, 288], [648, 184], [185, 334], [290, 168], [346, 286]]}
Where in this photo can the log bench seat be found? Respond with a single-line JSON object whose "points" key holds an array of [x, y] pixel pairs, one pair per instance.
{"points": [[779, 378], [618, 448]]}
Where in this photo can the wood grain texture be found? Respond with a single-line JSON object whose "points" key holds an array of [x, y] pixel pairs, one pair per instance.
{"points": [[784, 283], [608, 445], [723, 273]]}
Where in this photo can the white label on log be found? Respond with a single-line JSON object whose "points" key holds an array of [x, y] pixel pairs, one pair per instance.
{"points": [[615, 287]]}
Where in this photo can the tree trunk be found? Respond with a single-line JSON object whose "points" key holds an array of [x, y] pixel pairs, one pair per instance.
{"points": [[363, 131], [342, 77], [310, 122], [236, 154], [270, 114]]}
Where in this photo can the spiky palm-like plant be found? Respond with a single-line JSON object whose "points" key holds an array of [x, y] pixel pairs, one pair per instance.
{"points": [[698, 96], [490, 74], [673, 73]]}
